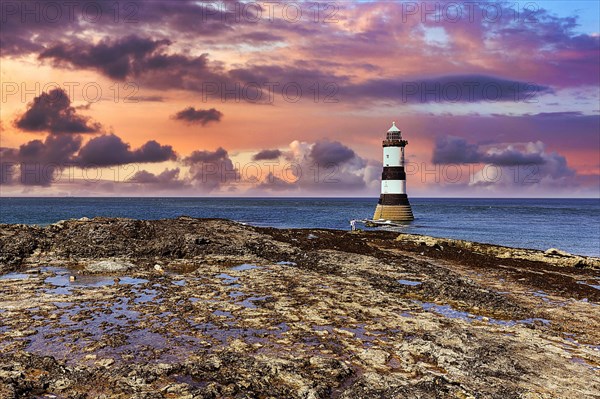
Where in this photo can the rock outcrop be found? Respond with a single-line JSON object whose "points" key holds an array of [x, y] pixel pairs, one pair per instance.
{"points": [[191, 308]]}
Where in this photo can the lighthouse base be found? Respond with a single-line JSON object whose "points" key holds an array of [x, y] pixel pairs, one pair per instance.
{"points": [[395, 213]]}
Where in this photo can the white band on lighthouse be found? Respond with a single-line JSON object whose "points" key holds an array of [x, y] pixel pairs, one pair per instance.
{"points": [[391, 156], [393, 187]]}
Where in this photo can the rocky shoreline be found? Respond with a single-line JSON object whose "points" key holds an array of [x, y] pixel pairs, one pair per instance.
{"points": [[207, 308]]}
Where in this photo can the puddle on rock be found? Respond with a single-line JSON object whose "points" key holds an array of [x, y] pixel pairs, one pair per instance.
{"points": [[450, 312], [409, 282], [61, 280], [583, 362], [227, 279], [236, 294], [222, 313], [14, 276], [286, 263], [245, 266], [596, 286], [249, 302]]}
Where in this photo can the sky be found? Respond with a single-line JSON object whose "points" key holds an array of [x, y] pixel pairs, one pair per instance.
{"points": [[196, 98]]}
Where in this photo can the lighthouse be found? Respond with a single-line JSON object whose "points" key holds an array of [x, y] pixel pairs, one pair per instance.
{"points": [[393, 202]]}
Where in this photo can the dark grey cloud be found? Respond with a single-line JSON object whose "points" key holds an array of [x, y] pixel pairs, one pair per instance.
{"points": [[451, 149], [456, 150], [52, 112], [54, 149], [513, 157], [31, 25], [199, 156], [8, 161], [191, 115], [260, 37], [265, 155], [117, 59], [445, 89], [39, 162], [209, 170], [168, 179], [149, 99], [331, 152], [142, 59], [109, 150]]}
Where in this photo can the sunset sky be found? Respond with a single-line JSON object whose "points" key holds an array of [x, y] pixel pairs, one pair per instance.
{"points": [[193, 98]]}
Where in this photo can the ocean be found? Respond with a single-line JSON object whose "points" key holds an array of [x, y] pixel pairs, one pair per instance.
{"points": [[571, 225]]}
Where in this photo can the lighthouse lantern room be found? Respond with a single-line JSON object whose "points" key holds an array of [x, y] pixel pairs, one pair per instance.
{"points": [[393, 202]]}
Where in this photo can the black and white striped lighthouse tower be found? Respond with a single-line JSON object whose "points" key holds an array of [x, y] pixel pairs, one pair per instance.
{"points": [[393, 203]]}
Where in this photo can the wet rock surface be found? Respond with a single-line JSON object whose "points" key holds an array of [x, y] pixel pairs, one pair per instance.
{"points": [[198, 308]]}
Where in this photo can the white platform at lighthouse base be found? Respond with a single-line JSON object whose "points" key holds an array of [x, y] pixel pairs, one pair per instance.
{"points": [[382, 223]]}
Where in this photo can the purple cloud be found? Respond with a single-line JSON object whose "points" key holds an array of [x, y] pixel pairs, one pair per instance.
{"points": [[265, 155], [109, 150], [191, 116], [52, 112]]}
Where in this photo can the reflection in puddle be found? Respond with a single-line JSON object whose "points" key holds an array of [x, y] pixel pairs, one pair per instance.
{"points": [[581, 361], [61, 280], [14, 276], [249, 302], [245, 266], [450, 312], [146, 295], [596, 286], [408, 282], [286, 263], [236, 294], [222, 313], [227, 279]]}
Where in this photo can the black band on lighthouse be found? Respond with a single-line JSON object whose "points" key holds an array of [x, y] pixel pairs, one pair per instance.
{"points": [[393, 173], [393, 199]]}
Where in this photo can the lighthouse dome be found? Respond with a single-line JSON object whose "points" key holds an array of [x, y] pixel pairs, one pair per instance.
{"points": [[394, 129]]}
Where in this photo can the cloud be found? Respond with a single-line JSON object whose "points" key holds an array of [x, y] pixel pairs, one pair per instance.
{"points": [[260, 37], [140, 58], [52, 112], [198, 116], [117, 59], [331, 152], [322, 167], [445, 89], [511, 156], [456, 150], [168, 179], [8, 160], [551, 51], [150, 99], [451, 149], [265, 155], [39, 162], [507, 165], [210, 170], [109, 150]]}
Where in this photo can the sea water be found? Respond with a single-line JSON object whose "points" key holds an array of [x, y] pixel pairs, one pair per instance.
{"points": [[572, 225]]}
